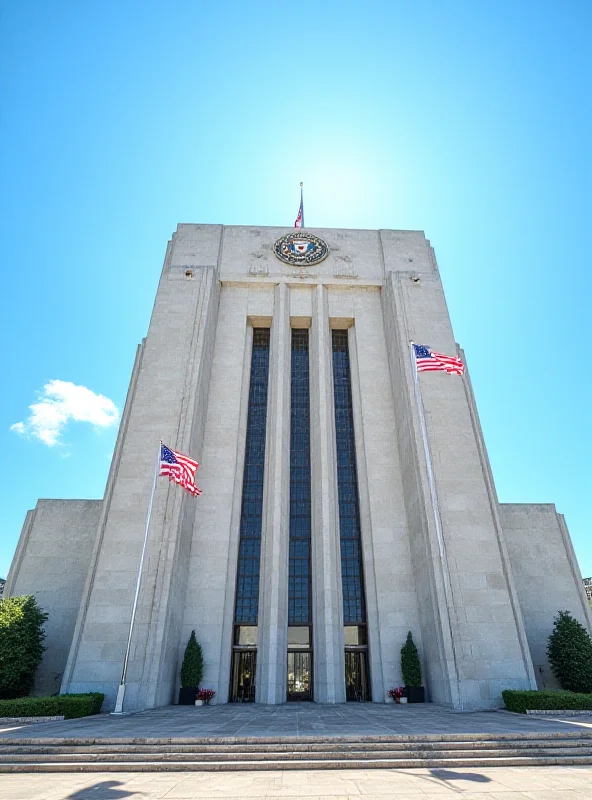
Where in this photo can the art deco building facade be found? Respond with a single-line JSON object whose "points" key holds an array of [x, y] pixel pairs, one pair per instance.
{"points": [[331, 523]]}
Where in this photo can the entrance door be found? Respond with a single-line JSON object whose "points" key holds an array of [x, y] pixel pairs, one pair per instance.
{"points": [[242, 681], [357, 686], [299, 676]]}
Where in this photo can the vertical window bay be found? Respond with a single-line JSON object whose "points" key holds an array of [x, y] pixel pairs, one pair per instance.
{"points": [[352, 575], [247, 576], [299, 582]]}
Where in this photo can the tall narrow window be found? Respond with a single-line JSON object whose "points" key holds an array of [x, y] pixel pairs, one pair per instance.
{"points": [[299, 678], [352, 572], [244, 657]]}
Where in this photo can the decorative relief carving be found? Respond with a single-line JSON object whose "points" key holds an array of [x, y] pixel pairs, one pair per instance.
{"points": [[259, 269], [304, 273], [301, 249], [344, 268]]}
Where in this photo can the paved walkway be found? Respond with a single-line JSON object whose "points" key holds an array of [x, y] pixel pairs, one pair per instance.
{"points": [[498, 783], [297, 719]]}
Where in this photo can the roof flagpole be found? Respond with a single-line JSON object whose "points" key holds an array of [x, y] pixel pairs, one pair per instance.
{"points": [[299, 223], [302, 204]]}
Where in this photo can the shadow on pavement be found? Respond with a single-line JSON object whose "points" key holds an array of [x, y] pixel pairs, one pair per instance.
{"points": [[450, 775], [104, 790]]}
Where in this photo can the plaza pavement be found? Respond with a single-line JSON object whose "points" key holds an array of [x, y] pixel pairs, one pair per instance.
{"points": [[491, 783], [296, 719], [495, 783]]}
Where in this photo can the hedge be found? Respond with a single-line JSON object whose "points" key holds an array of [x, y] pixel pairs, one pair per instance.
{"points": [[546, 700], [68, 705]]}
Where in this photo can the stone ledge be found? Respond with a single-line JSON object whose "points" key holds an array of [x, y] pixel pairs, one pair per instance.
{"points": [[32, 720], [568, 713]]}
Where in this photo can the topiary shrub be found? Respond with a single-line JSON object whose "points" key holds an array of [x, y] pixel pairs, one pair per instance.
{"points": [[410, 663], [21, 644], [192, 667], [570, 654]]}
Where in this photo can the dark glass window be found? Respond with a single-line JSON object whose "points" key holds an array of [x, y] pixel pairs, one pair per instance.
{"points": [[247, 574], [352, 574], [299, 605]]}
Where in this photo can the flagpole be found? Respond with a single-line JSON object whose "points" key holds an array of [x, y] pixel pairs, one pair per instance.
{"points": [[121, 689], [426, 450], [435, 504], [302, 203]]}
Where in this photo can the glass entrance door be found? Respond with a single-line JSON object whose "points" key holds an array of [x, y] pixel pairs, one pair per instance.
{"points": [[299, 676], [357, 685], [242, 681]]}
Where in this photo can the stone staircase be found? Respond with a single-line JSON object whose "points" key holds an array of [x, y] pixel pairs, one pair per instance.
{"points": [[266, 753]]}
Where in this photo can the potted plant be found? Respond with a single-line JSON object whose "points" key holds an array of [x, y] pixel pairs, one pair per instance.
{"points": [[191, 672], [398, 694], [204, 696], [411, 671]]}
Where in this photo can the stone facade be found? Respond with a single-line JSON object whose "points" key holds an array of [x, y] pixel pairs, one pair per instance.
{"points": [[441, 557], [588, 589], [547, 576], [51, 562]]}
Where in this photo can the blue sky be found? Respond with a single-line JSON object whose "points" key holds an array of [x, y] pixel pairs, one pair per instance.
{"points": [[468, 120]]}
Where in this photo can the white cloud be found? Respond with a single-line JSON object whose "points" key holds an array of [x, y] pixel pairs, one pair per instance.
{"points": [[60, 402]]}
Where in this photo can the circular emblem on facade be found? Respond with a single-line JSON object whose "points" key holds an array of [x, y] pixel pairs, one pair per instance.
{"points": [[300, 249]]}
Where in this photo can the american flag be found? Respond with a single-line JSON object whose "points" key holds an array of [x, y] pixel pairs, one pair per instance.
{"points": [[179, 468], [429, 361]]}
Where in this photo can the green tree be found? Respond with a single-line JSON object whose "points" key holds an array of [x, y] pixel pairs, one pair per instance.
{"points": [[192, 667], [570, 654], [21, 644], [410, 663]]}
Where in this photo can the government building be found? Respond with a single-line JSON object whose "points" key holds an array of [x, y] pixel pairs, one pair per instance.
{"points": [[346, 499]]}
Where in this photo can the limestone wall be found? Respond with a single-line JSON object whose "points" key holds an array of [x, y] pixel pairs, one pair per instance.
{"points": [[167, 399], [546, 575], [51, 563], [471, 626]]}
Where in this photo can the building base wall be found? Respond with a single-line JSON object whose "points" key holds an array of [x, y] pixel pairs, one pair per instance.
{"points": [[546, 574], [51, 563]]}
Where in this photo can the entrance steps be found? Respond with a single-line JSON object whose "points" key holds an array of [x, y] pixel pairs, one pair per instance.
{"points": [[294, 753]]}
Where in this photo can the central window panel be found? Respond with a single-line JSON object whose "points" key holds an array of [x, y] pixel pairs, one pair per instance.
{"points": [[299, 679]]}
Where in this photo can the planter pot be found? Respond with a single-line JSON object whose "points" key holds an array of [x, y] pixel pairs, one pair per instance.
{"points": [[416, 694], [187, 695], [199, 702], [403, 700]]}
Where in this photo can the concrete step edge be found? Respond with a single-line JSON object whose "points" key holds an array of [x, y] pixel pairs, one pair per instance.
{"points": [[304, 749], [304, 740], [186, 766], [222, 757]]}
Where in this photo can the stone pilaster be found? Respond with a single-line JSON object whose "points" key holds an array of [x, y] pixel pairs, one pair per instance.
{"points": [[473, 648], [273, 585], [374, 629], [329, 662], [439, 632], [168, 399]]}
